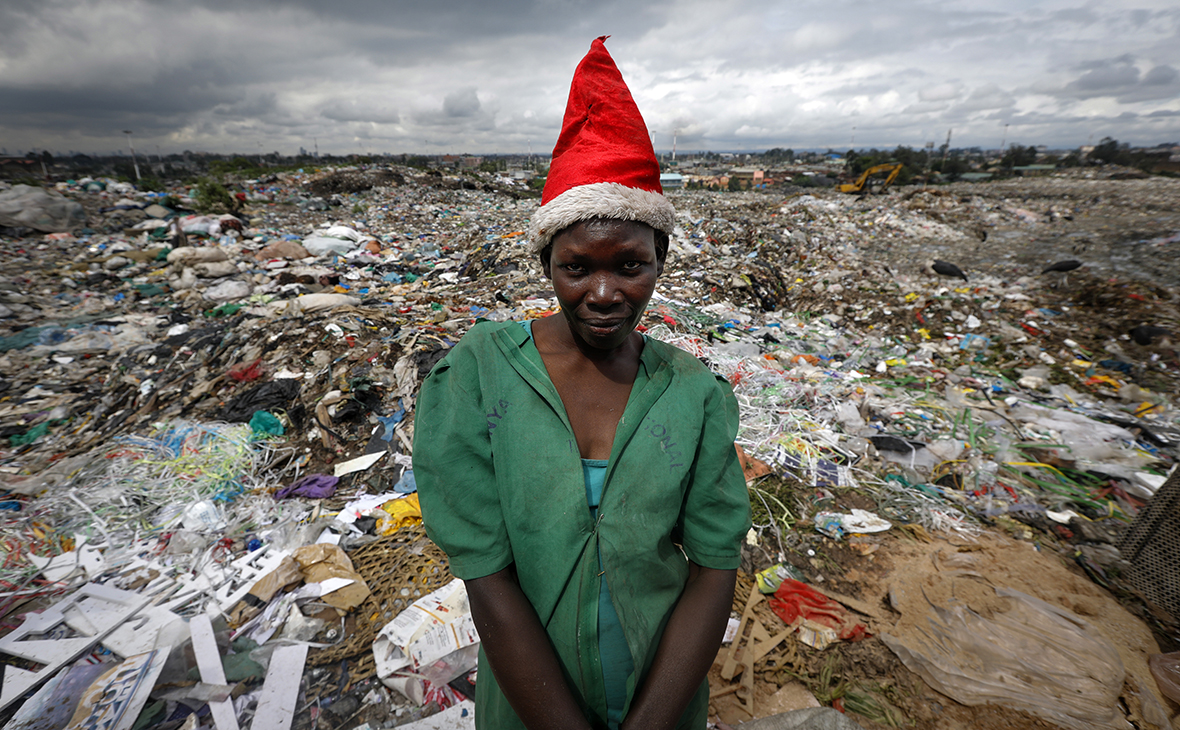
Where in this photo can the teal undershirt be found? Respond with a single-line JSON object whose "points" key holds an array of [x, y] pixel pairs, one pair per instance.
{"points": [[612, 644]]}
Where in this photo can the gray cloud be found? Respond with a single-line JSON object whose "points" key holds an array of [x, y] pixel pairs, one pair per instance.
{"points": [[355, 110], [486, 77], [464, 103]]}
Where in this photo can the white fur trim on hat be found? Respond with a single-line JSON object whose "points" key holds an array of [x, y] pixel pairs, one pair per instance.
{"points": [[599, 200]]}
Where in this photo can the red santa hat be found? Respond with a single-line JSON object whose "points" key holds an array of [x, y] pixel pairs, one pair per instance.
{"points": [[603, 164]]}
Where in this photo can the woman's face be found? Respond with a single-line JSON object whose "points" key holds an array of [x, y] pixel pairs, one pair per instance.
{"points": [[604, 272]]}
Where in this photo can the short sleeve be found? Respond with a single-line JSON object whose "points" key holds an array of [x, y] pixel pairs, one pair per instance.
{"points": [[455, 473], [716, 512]]}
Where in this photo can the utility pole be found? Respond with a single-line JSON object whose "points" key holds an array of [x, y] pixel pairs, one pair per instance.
{"points": [[133, 162]]}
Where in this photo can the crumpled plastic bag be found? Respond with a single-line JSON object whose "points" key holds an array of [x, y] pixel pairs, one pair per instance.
{"points": [[808, 718], [1034, 657], [42, 210], [1166, 670], [401, 513], [796, 602]]}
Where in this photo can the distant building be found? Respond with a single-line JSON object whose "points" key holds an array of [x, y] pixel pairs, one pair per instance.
{"points": [[671, 181], [747, 177]]}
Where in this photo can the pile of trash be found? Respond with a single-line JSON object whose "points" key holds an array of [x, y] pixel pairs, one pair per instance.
{"points": [[206, 492]]}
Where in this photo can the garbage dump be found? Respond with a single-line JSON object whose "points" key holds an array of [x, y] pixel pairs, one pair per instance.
{"points": [[210, 517]]}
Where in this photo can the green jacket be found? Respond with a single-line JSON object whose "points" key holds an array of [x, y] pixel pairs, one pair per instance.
{"points": [[500, 482]]}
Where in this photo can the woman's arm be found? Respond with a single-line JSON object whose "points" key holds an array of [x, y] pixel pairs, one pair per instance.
{"points": [[686, 651], [521, 656]]}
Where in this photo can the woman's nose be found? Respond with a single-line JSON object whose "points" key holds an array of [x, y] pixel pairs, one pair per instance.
{"points": [[604, 291]]}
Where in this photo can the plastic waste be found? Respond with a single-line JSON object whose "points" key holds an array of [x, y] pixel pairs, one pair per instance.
{"points": [[434, 639], [1034, 657], [39, 209], [1166, 670], [808, 718], [794, 601], [264, 424]]}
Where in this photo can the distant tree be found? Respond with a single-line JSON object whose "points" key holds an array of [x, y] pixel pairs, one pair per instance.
{"points": [[734, 185], [1110, 152], [954, 167], [1018, 156], [778, 154]]}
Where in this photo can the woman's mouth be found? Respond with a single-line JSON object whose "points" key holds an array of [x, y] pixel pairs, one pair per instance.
{"points": [[603, 326]]}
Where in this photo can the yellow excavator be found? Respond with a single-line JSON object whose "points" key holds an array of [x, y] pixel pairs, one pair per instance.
{"points": [[860, 187]]}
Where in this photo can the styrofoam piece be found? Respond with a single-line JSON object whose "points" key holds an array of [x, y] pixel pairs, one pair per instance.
{"points": [[116, 605], [209, 663], [135, 636], [60, 567], [236, 580], [280, 690]]}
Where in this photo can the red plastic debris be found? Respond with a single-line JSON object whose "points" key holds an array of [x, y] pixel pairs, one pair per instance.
{"points": [[245, 372], [798, 601]]}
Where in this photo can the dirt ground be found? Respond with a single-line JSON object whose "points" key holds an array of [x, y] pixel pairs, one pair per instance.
{"points": [[919, 574]]}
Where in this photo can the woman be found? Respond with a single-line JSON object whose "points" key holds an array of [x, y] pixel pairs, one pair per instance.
{"points": [[581, 477]]}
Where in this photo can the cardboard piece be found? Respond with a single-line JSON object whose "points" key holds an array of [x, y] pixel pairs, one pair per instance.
{"points": [[53, 705], [360, 463], [321, 562], [114, 700], [264, 589]]}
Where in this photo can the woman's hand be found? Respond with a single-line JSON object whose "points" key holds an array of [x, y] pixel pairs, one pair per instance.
{"points": [[687, 649], [521, 656]]}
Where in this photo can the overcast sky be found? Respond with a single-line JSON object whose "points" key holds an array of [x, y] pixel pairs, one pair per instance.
{"points": [[492, 75]]}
